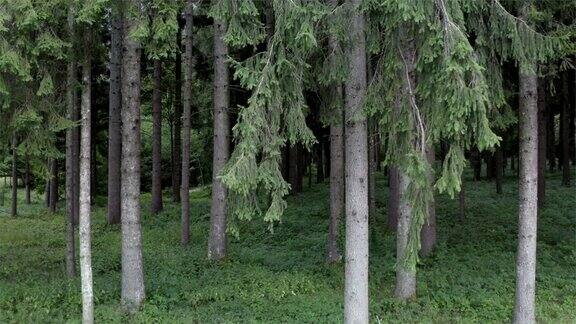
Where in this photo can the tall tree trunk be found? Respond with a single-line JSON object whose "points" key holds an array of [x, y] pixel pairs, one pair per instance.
{"points": [[53, 185], [14, 210], [177, 148], [551, 140], [405, 276], [333, 254], [393, 197], [356, 167], [186, 121], [428, 231], [524, 311], [542, 141], [157, 205], [476, 164], [217, 240], [84, 226], [133, 293], [115, 117], [565, 128], [47, 188], [498, 168], [27, 178]]}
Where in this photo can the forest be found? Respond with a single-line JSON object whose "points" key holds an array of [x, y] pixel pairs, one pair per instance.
{"points": [[287, 161]]}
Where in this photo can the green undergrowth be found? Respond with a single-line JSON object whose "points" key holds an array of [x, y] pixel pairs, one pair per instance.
{"points": [[282, 277]]}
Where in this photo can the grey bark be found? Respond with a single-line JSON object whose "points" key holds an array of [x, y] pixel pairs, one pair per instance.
{"points": [[188, 65], [157, 205], [84, 221], [217, 240], [14, 210], [177, 146], [428, 231], [333, 253], [132, 293], [356, 168], [542, 141], [524, 310], [115, 118], [393, 198], [405, 277]]}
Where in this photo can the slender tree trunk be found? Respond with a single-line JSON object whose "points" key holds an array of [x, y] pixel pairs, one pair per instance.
{"points": [[115, 118], [53, 185], [542, 141], [157, 205], [565, 128], [217, 240], [14, 210], [428, 231], [476, 164], [524, 311], [393, 198], [498, 157], [356, 167], [27, 179], [47, 188], [405, 276], [177, 148], [84, 226], [186, 121], [333, 254], [133, 293]]}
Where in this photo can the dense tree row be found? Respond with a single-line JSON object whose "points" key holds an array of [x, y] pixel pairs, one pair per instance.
{"points": [[256, 96]]}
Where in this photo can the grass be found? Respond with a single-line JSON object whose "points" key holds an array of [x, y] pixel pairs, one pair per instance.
{"points": [[282, 277]]}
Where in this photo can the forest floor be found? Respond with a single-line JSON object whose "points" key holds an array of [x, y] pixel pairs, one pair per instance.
{"points": [[282, 277]]}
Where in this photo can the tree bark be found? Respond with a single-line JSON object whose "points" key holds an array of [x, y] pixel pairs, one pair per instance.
{"points": [[565, 128], [85, 151], [498, 161], [14, 210], [393, 198], [27, 179], [542, 141], [217, 240], [405, 277], [372, 170], [333, 254], [132, 293], [356, 168], [115, 118], [53, 185], [524, 311], [177, 148], [428, 231], [157, 205], [186, 121]]}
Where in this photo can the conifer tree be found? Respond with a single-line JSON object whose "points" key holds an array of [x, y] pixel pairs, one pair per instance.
{"points": [[219, 210], [132, 293]]}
